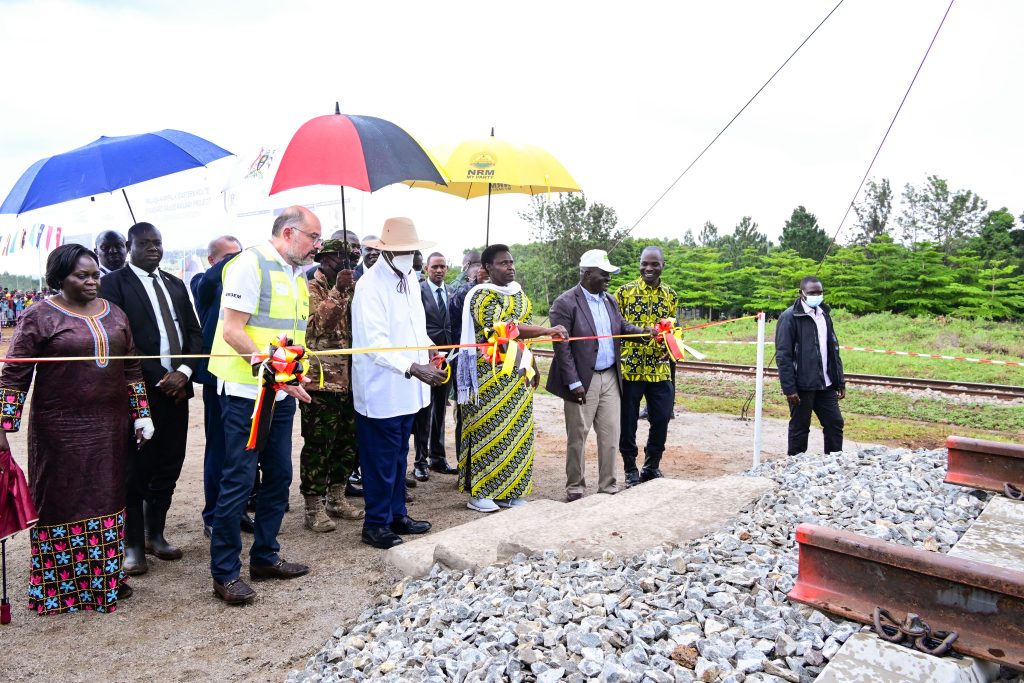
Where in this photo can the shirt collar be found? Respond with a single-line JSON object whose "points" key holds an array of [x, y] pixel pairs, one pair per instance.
{"points": [[142, 275], [596, 298], [643, 285]]}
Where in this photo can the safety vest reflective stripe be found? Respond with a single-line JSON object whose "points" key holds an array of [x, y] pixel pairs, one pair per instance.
{"points": [[283, 307]]}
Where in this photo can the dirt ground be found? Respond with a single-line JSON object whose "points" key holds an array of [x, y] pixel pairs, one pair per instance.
{"points": [[173, 629]]}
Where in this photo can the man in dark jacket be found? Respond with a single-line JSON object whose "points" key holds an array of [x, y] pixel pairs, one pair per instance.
{"points": [[206, 292], [164, 324], [428, 430], [810, 369], [585, 373]]}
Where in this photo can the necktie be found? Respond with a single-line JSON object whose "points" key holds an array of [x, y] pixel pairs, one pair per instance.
{"points": [[440, 303], [165, 313]]}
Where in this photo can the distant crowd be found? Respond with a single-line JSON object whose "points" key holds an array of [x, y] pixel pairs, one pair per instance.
{"points": [[13, 303]]}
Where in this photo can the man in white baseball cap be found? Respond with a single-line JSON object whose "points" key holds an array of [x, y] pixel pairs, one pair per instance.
{"points": [[585, 373]]}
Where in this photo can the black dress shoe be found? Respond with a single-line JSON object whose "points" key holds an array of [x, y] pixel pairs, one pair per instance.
{"points": [[124, 591], [247, 523], [135, 561], [420, 473], [444, 468], [408, 525], [380, 537], [632, 479], [353, 491], [236, 592], [279, 570], [649, 474]]}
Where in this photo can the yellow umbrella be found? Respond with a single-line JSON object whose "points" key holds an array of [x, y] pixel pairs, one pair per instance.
{"points": [[487, 166]]}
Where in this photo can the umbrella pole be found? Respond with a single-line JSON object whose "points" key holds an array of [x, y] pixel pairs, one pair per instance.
{"points": [[344, 225], [5, 604], [487, 239], [129, 206]]}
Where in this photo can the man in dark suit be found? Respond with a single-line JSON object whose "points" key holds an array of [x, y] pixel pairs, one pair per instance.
{"points": [[585, 373], [111, 250], [206, 292], [428, 429], [163, 323]]}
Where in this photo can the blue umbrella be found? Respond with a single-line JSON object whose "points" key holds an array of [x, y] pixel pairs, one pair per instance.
{"points": [[108, 165]]}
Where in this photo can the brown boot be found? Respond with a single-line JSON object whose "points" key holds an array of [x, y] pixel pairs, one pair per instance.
{"points": [[338, 505], [316, 517]]}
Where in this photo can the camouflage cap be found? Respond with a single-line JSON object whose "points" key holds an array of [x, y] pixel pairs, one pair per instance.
{"points": [[330, 247]]}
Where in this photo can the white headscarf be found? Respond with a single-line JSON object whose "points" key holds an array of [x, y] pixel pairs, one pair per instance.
{"points": [[466, 380]]}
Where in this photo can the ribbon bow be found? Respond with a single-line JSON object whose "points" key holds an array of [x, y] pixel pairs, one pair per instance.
{"points": [[502, 347], [280, 365], [671, 337]]}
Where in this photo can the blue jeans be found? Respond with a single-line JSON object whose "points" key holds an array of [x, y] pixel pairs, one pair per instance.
{"points": [[383, 457], [238, 472]]}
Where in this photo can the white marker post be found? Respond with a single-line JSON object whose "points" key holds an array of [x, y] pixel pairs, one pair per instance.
{"points": [[759, 391]]}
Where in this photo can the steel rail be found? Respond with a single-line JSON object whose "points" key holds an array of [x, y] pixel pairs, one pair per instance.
{"points": [[988, 465], [850, 575], [999, 391]]}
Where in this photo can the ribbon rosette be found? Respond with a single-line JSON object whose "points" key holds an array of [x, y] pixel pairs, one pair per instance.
{"points": [[502, 347], [280, 365], [671, 338]]}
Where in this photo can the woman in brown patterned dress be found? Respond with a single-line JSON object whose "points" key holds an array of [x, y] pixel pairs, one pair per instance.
{"points": [[80, 435]]}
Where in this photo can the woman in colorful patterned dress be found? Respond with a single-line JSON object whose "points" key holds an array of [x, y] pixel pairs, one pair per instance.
{"points": [[80, 435], [496, 448]]}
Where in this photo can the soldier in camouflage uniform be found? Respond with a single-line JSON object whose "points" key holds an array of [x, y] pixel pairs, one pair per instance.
{"points": [[328, 423]]}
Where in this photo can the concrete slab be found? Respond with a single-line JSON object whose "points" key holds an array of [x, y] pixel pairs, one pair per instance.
{"points": [[660, 511], [866, 658], [996, 537], [664, 510], [415, 556]]}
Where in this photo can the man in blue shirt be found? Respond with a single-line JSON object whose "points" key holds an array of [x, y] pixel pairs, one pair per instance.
{"points": [[585, 373]]}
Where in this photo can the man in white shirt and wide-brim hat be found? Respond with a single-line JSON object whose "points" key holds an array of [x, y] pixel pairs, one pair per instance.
{"points": [[390, 387]]}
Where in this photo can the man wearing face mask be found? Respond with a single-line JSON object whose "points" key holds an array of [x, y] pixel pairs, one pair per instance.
{"points": [[810, 369], [390, 387]]}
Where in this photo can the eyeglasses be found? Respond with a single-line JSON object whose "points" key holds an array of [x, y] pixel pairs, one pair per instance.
{"points": [[317, 239]]}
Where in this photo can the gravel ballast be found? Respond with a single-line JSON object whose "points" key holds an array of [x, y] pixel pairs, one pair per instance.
{"points": [[713, 609]]}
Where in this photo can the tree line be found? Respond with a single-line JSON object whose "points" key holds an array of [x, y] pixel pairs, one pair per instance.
{"points": [[944, 253]]}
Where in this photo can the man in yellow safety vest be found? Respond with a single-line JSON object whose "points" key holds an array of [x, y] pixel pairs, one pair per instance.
{"points": [[264, 296]]}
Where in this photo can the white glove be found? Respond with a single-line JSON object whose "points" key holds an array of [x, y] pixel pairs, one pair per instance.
{"points": [[146, 425]]}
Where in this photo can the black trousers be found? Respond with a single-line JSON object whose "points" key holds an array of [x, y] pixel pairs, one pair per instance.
{"points": [[660, 398], [824, 404], [153, 471], [428, 429]]}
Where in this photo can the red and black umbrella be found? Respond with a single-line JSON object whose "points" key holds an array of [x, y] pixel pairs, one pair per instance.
{"points": [[362, 152], [17, 513]]}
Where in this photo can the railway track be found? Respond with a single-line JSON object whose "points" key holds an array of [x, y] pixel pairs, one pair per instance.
{"points": [[1000, 391]]}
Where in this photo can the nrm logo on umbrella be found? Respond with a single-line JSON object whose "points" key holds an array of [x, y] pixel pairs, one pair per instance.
{"points": [[482, 166]]}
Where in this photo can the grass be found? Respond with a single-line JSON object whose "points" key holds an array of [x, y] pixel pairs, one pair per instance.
{"points": [[946, 336], [890, 417]]}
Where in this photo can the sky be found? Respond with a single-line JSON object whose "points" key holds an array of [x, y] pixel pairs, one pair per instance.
{"points": [[624, 95]]}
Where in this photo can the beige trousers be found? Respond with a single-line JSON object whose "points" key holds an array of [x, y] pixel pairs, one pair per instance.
{"points": [[601, 411]]}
